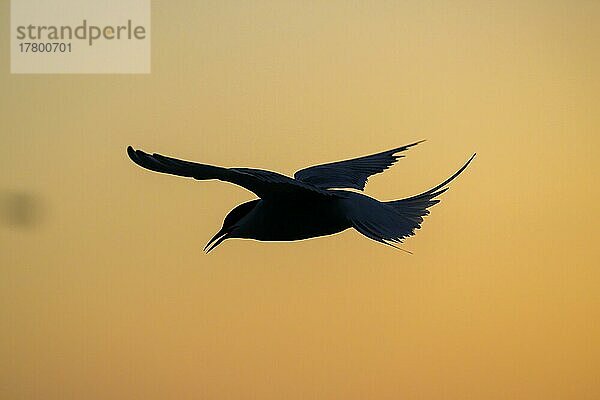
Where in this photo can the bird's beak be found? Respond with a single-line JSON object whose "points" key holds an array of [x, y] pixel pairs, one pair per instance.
{"points": [[221, 235]]}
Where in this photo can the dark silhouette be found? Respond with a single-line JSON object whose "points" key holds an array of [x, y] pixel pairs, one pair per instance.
{"points": [[305, 206]]}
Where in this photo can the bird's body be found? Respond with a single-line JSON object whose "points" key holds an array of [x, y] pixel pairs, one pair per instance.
{"points": [[306, 206], [289, 219]]}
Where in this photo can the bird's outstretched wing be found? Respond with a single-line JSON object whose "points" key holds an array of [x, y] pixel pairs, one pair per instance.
{"points": [[350, 173], [390, 222], [265, 184]]}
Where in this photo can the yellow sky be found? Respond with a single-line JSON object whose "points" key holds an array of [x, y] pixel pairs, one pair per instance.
{"points": [[107, 294]]}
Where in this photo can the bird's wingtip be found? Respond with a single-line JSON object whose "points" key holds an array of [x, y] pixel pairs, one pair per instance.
{"points": [[405, 147], [131, 153], [416, 143]]}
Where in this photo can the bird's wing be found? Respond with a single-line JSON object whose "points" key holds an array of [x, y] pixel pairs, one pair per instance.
{"points": [[350, 173], [390, 222], [263, 183]]}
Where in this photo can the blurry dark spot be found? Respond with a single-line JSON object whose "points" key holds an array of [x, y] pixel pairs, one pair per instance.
{"points": [[20, 209]]}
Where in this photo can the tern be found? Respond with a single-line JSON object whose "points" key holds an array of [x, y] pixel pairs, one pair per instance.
{"points": [[311, 204]]}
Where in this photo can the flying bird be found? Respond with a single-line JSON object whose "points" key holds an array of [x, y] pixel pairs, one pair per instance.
{"points": [[313, 202]]}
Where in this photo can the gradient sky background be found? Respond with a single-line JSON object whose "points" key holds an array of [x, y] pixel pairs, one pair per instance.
{"points": [[105, 292]]}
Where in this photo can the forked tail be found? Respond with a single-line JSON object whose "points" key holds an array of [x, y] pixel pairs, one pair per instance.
{"points": [[398, 219], [415, 207]]}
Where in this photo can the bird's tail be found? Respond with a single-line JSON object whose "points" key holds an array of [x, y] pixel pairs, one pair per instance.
{"points": [[392, 221], [415, 208]]}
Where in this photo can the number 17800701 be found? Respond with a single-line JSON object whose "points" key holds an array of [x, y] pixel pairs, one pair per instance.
{"points": [[33, 47]]}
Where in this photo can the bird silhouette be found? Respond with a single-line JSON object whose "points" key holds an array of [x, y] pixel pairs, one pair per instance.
{"points": [[313, 202]]}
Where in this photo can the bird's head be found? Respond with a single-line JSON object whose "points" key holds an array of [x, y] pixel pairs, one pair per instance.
{"points": [[230, 224]]}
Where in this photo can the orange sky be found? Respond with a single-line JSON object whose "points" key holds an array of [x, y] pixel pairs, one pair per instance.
{"points": [[107, 294]]}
